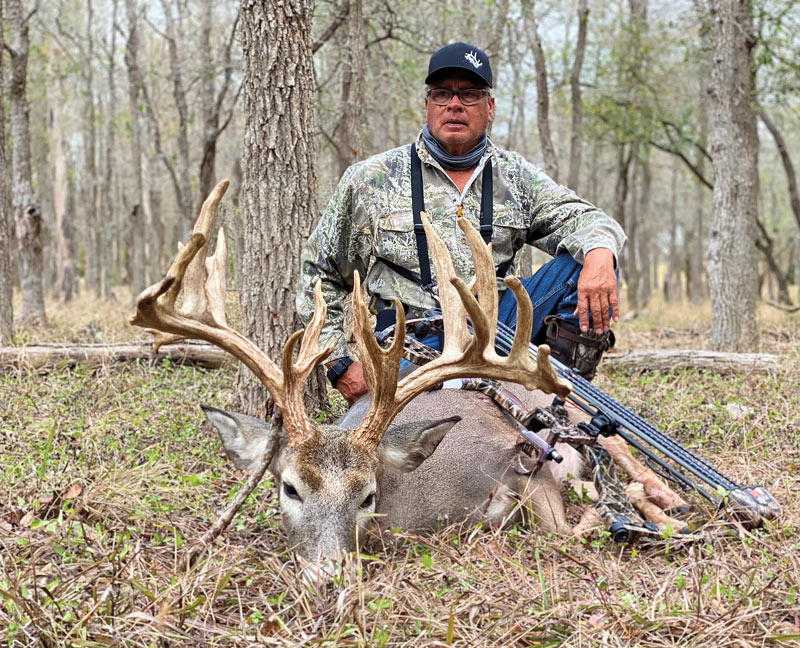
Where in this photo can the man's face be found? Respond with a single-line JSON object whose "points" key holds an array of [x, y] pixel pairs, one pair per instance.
{"points": [[456, 126]]}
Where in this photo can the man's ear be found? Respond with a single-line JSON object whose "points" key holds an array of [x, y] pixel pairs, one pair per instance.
{"points": [[244, 438], [404, 447]]}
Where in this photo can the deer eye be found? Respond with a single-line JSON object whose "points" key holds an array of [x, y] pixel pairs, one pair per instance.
{"points": [[369, 501], [291, 492]]}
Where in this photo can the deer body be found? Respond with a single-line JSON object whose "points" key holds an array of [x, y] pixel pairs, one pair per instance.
{"points": [[451, 456]]}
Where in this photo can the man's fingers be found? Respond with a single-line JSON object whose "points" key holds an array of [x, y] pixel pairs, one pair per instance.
{"points": [[613, 303], [582, 311], [597, 310]]}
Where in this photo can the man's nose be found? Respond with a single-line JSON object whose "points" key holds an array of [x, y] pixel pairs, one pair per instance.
{"points": [[457, 98]]}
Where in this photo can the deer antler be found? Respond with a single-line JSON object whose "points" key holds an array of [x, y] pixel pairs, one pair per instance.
{"points": [[202, 316], [464, 355]]}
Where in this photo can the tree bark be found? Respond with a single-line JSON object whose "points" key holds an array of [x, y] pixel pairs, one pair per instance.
{"points": [[279, 176], [6, 227], [542, 94], [28, 220], [576, 135], [732, 255]]}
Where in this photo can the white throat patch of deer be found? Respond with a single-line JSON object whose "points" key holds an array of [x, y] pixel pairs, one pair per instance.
{"points": [[448, 457]]}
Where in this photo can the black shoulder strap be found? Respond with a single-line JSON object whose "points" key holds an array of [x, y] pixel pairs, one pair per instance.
{"points": [[417, 207], [487, 192]]}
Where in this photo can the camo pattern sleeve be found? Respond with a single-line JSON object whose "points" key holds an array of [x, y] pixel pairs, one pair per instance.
{"points": [[560, 221]]}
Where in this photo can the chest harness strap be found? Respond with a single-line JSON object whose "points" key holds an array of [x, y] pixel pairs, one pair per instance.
{"points": [[418, 205]]}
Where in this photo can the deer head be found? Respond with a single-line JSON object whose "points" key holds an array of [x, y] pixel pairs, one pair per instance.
{"points": [[329, 475]]}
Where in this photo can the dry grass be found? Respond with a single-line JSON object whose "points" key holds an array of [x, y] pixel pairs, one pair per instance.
{"points": [[108, 476]]}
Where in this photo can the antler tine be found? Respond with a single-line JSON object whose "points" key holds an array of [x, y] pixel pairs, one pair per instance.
{"points": [[202, 316], [297, 424], [464, 355], [380, 365]]}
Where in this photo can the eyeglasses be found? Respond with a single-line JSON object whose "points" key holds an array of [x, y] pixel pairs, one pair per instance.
{"points": [[467, 96]]}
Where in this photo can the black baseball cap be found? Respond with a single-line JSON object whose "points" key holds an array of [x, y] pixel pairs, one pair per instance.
{"points": [[463, 56]]}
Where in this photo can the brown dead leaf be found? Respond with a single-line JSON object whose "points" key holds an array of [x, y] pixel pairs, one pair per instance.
{"points": [[270, 626], [14, 517], [26, 520], [596, 621], [73, 491]]}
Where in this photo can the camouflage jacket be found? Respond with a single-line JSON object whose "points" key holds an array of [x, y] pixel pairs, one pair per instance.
{"points": [[369, 219]]}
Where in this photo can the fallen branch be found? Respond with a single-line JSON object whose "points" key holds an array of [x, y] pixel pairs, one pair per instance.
{"points": [[670, 359], [46, 357], [784, 307]]}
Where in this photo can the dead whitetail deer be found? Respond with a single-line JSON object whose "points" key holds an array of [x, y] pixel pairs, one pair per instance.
{"points": [[450, 456]]}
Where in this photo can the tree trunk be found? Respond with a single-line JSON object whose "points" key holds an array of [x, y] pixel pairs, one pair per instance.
{"points": [[672, 279], [279, 176], [767, 246], [542, 95], [181, 178], [109, 219], [576, 136], [89, 207], [6, 232], [622, 215], [645, 259], [62, 288], [788, 166], [732, 255], [347, 138], [135, 255], [212, 101], [28, 220]]}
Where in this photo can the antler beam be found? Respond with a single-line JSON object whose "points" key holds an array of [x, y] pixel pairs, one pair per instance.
{"points": [[202, 316]]}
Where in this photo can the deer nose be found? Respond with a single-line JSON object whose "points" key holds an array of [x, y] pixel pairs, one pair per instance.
{"points": [[318, 573]]}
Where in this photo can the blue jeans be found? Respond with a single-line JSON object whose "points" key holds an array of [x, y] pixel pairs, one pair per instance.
{"points": [[553, 289]]}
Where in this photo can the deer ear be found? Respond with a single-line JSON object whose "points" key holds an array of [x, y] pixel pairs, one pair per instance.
{"points": [[404, 447], [244, 438]]}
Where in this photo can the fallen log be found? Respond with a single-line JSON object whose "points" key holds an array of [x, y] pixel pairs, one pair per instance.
{"points": [[46, 357], [671, 359]]}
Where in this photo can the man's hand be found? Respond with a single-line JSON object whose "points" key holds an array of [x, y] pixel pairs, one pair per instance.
{"points": [[351, 383], [597, 291]]}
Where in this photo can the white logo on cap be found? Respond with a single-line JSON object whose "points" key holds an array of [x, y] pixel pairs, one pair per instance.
{"points": [[473, 58]]}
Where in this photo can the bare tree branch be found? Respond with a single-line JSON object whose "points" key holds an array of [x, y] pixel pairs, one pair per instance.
{"points": [[330, 30]]}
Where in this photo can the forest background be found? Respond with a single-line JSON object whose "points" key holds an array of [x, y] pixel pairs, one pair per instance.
{"points": [[134, 109]]}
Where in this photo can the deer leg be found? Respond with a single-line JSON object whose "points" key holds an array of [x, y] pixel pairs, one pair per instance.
{"points": [[542, 495], [653, 513], [654, 487], [590, 520]]}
